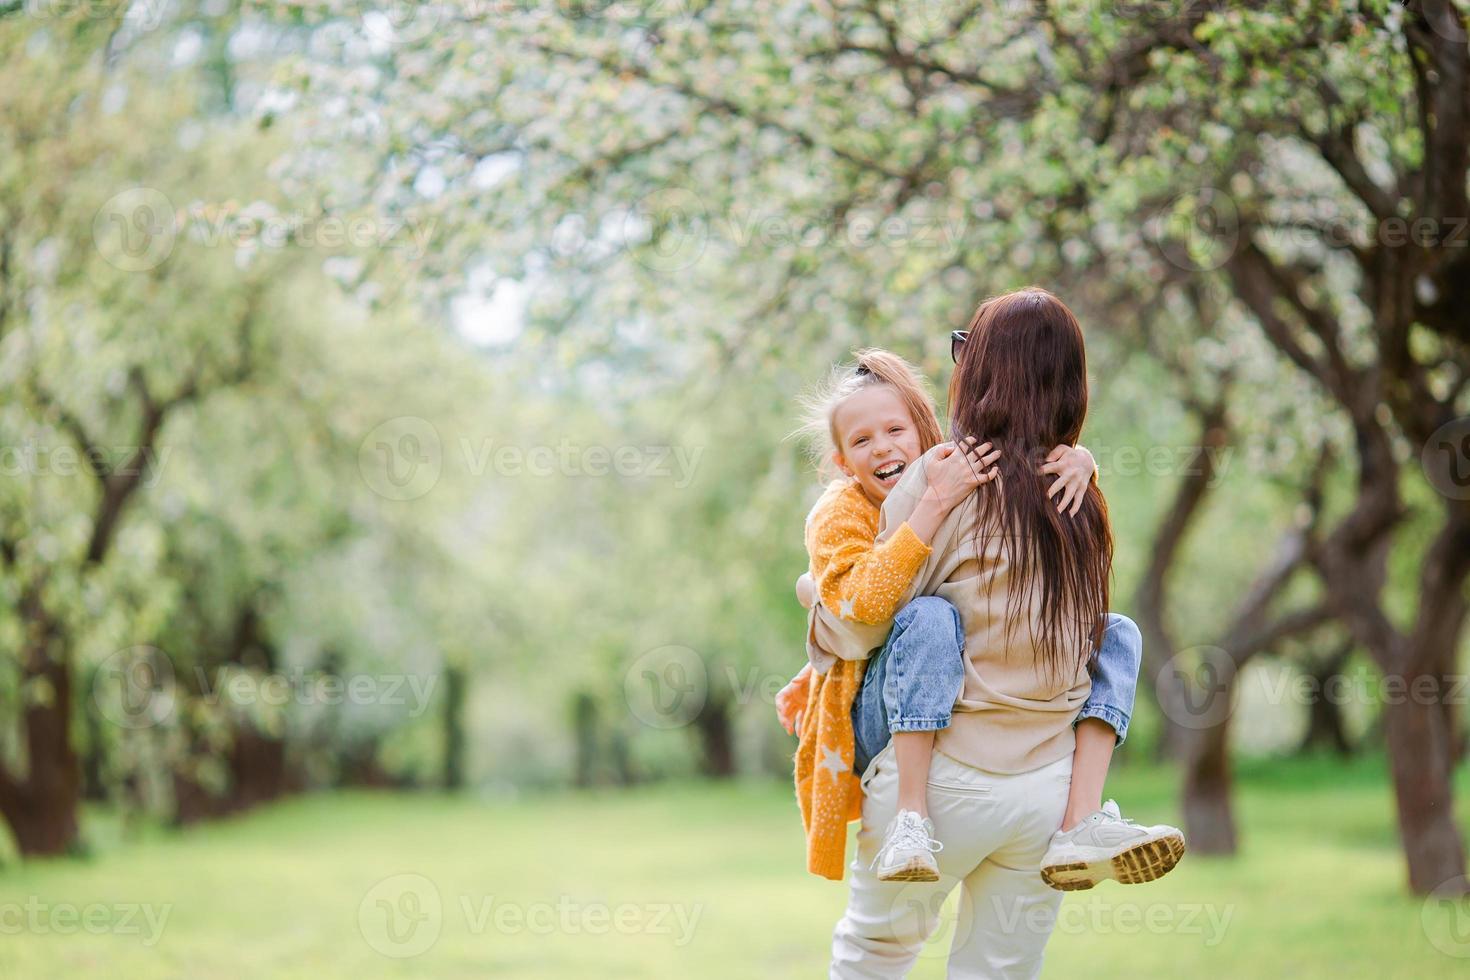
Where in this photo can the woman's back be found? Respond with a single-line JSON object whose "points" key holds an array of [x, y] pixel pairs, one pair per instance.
{"points": [[1015, 712]]}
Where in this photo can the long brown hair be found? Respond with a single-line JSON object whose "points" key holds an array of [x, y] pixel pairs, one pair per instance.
{"points": [[1021, 383]]}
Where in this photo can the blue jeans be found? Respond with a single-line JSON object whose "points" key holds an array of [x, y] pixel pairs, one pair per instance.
{"points": [[1115, 677], [913, 683]]}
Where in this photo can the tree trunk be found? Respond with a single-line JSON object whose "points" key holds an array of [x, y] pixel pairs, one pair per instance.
{"points": [[1209, 819], [1417, 728], [584, 727], [359, 766], [1448, 684], [257, 760], [42, 808], [622, 760], [257, 768], [1152, 598], [94, 783], [1418, 752], [454, 740], [1325, 725], [719, 742]]}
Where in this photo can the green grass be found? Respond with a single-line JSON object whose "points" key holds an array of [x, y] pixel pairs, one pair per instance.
{"points": [[1317, 890]]}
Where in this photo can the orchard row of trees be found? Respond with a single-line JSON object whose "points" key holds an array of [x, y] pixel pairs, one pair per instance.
{"points": [[189, 497], [266, 523], [1266, 201], [632, 232]]}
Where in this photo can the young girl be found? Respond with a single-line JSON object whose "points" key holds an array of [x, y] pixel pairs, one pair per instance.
{"points": [[879, 418]]}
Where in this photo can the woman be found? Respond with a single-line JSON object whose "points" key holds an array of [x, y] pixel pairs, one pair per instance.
{"points": [[1031, 587]]}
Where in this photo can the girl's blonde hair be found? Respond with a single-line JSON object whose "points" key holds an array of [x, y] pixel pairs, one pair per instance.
{"points": [[871, 366]]}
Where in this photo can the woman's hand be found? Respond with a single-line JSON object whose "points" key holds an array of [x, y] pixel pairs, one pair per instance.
{"points": [[954, 471], [791, 700], [1073, 467]]}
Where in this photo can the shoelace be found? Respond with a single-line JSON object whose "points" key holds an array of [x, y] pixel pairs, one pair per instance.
{"points": [[908, 834], [1121, 819]]}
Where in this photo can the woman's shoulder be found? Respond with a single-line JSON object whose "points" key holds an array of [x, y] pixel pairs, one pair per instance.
{"points": [[911, 486]]}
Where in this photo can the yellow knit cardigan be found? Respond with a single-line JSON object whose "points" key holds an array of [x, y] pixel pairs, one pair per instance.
{"points": [[860, 581]]}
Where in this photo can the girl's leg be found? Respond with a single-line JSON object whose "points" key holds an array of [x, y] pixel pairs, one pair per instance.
{"points": [[1095, 842], [1090, 759], [1103, 722], [912, 752], [908, 694]]}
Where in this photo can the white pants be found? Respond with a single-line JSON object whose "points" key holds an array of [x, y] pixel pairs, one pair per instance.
{"points": [[995, 829]]}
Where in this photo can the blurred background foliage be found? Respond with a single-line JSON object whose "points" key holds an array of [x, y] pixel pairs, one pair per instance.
{"points": [[456, 348]]}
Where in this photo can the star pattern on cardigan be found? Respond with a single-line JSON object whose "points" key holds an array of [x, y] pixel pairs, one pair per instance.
{"points": [[832, 761]]}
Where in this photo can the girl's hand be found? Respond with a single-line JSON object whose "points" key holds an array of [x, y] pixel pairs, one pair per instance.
{"points": [[956, 470], [1073, 467], [806, 591], [791, 700]]}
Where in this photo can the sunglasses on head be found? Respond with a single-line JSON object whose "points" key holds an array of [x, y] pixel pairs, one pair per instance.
{"points": [[957, 340]]}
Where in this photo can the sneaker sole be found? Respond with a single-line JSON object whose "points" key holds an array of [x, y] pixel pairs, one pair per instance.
{"points": [[913, 871], [1148, 861]]}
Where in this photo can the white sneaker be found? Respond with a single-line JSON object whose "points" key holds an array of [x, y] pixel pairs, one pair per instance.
{"points": [[1107, 845], [907, 853]]}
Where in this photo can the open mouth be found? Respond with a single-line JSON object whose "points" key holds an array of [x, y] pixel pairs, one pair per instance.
{"points": [[889, 472]]}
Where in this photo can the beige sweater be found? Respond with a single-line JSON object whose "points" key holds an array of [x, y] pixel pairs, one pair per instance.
{"points": [[1009, 717]]}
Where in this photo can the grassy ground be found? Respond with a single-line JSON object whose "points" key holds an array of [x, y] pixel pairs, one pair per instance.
{"points": [[692, 881]]}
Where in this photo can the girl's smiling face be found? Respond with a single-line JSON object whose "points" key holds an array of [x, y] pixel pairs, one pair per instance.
{"points": [[876, 441]]}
